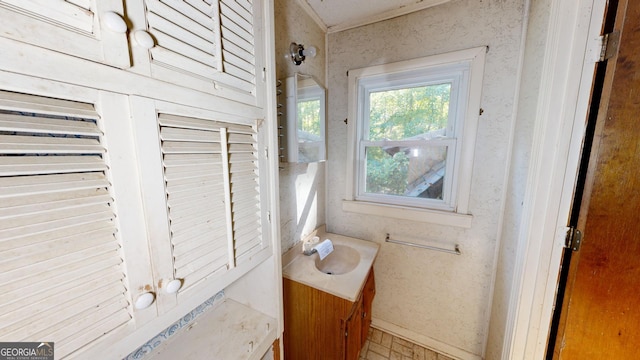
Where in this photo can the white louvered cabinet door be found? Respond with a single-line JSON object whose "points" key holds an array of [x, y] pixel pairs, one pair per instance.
{"points": [[209, 45], [65, 218], [84, 28], [202, 196]]}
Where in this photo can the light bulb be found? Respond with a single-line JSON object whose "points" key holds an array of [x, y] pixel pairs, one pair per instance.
{"points": [[311, 51]]}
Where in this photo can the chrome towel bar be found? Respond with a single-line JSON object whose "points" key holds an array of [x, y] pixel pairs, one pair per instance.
{"points": [[455, 250]]}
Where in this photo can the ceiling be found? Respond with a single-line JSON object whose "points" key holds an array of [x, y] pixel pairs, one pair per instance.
{"points": [[338, 15]]}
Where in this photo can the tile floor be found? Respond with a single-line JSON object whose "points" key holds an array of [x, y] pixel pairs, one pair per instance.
{"points": [[383, 346]]}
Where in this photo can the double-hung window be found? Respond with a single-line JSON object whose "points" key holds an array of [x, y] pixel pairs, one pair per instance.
{"points": [[412, 140]]}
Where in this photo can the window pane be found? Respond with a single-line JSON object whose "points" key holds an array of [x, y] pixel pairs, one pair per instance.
{"points": [[416, 171], [409, 113], [309, 120]]}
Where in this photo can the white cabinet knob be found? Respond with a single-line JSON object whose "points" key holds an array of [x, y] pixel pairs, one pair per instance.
{"points": [[144, 39], [144, 300], [173, 286], [114, 22]]}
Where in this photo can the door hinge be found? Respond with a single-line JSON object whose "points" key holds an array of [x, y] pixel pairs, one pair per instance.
{"points": [[573, 240], [610, 44]]}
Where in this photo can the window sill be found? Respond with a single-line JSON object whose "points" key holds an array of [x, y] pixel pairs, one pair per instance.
{"points": [[405, 213]]}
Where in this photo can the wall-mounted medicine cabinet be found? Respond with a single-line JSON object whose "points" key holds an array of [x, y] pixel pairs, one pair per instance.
{"points": [[306, 107]]}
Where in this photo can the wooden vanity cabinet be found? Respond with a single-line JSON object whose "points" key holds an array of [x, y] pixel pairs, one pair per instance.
{"points": [[322, 326]]}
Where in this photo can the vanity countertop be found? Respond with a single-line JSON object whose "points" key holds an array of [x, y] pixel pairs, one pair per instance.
{"points": [[301, 268]]}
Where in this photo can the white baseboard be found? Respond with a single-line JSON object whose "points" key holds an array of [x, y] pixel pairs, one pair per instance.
{"points": [[424, 341]]}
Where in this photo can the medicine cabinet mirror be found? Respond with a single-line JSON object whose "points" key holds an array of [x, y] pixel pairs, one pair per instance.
{"points": [[306, 106]]}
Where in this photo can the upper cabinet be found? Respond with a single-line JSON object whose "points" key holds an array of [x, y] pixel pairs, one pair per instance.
{"points": [[208, 45], [90, 29]]}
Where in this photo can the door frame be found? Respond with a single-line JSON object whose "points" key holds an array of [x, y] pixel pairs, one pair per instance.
{"points": [[567, 75]]}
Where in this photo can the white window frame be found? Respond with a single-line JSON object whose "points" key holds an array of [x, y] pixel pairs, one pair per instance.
{"points": [[464, 69]]}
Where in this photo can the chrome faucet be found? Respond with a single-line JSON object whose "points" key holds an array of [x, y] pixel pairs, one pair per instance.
{"points": [[310, 252]]}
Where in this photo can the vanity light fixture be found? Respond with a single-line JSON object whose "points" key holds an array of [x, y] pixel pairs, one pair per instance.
{"points": [[297, 53]]}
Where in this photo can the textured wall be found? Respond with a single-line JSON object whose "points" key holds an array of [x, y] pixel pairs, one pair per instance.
{"points": [[302, 186], [521, 151], [436, 298]]}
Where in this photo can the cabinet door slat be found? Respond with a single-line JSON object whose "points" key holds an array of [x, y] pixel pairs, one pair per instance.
{"points": [[34, 204], [181, 27], [239, 69], [212, 250], [34, 165], [185, 248], [202, 6], [42, 125], [183, 63], [12, 144], [50, 184], [185, 14]]}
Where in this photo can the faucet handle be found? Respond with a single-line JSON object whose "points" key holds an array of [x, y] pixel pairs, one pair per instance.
{"points": [[309, 244]]}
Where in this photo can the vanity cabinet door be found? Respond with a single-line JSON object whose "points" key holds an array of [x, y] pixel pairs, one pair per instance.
{"points": [[90, 29], [353, 332], [367, 301], [315, 323]]}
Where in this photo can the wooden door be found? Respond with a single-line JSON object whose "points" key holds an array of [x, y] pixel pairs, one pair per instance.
{"points": [[601, 314]]}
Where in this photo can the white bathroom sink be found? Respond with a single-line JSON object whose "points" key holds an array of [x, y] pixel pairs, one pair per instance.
{"points": [[342, 273], [342, 260]]}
